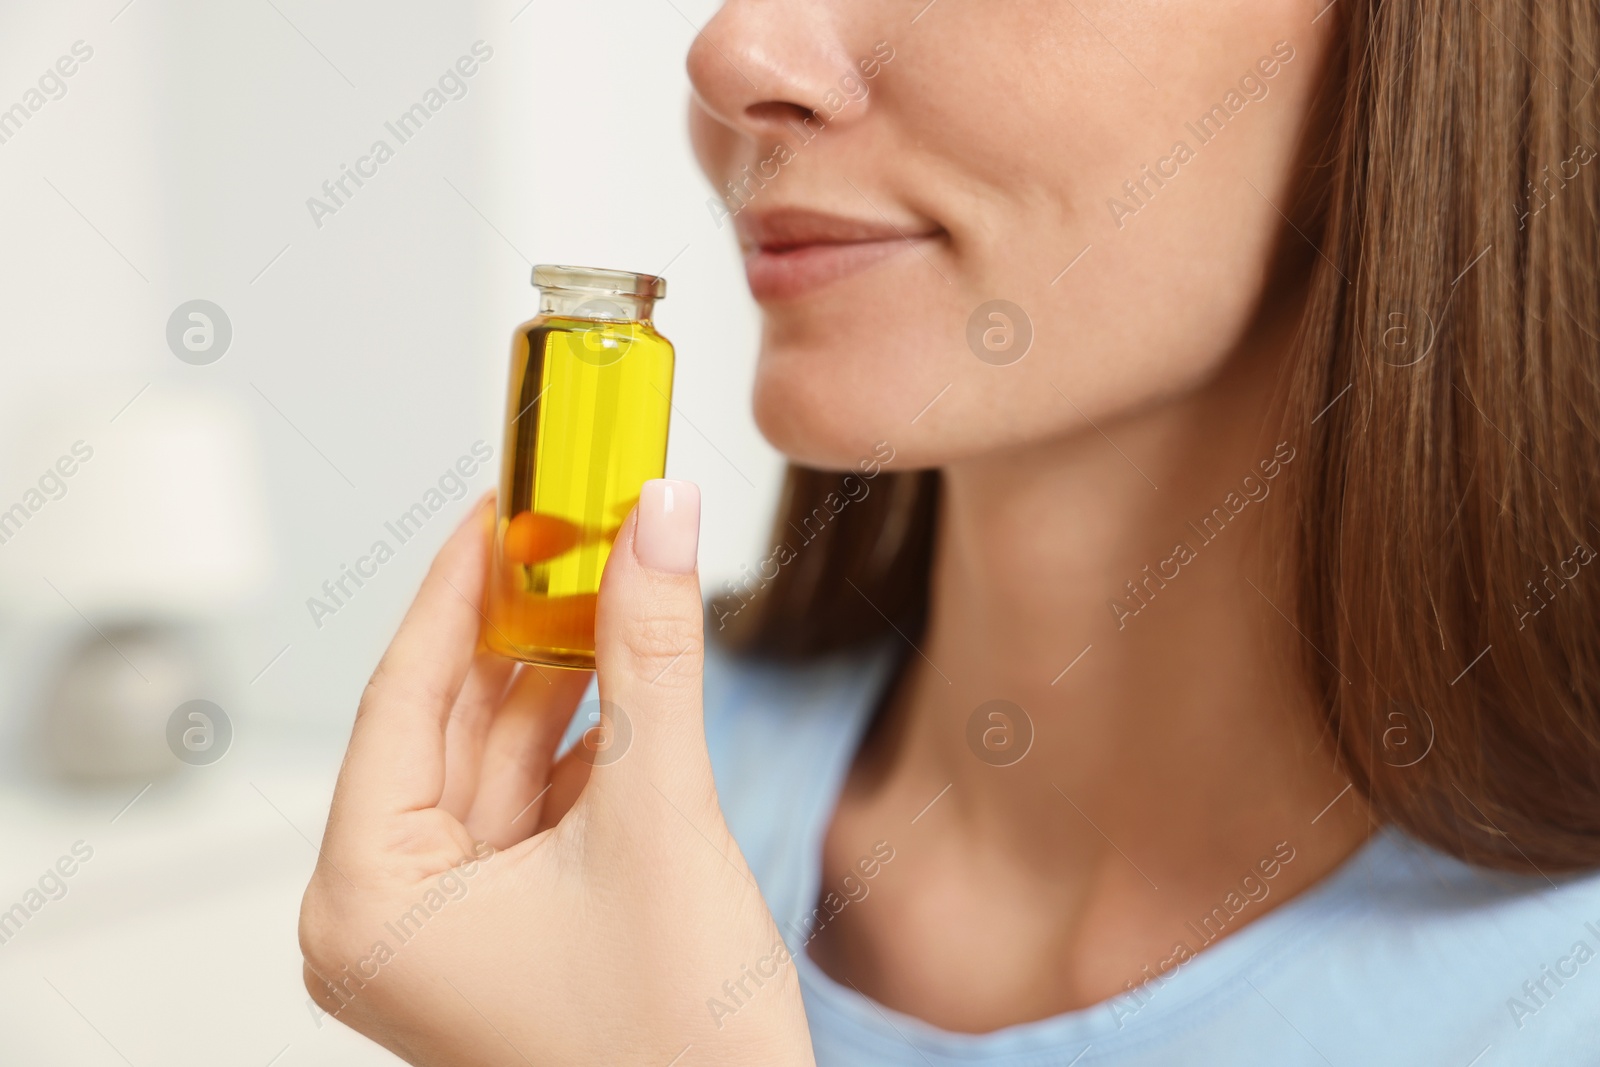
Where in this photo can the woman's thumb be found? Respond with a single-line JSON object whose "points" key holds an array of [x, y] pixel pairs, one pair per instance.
{"points": [[650, 633]]}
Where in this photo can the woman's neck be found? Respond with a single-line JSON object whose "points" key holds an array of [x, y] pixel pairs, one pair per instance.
{"points": [[1106, 704]]}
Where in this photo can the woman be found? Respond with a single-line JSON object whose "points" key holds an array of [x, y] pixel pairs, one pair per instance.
{"points": [[1178, 641]]}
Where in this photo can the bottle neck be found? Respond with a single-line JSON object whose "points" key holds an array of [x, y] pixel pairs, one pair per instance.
{"points": [[588, 304]]}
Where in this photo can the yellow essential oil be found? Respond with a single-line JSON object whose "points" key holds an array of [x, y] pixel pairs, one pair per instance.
{"points": [[586, 426]]}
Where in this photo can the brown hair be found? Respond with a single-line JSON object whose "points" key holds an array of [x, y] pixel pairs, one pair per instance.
{"points": [[1442, 527]]}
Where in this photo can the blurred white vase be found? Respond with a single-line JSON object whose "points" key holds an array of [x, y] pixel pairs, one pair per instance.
{"points": [[106, 719]]}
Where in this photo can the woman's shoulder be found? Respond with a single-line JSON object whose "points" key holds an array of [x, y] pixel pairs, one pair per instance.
{"points": [[1408, 955], [757, 696], [781, 735]]}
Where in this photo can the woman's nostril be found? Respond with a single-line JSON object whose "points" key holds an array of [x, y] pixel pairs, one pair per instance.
{"points": [[776, 112]]}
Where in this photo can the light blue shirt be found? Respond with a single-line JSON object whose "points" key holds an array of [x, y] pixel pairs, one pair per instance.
{"points": [[1402, 955]]}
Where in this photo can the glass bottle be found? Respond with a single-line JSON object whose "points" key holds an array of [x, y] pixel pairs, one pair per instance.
{"points": [[586, 426]]}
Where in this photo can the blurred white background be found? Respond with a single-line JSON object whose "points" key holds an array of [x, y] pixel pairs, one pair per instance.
{"points": [[367, 355]]}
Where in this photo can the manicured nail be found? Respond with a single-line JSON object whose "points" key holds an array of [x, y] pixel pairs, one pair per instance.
{"points": [[668, 535]]}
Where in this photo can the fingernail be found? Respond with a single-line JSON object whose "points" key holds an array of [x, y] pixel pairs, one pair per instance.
{"points": [[668, 535]]}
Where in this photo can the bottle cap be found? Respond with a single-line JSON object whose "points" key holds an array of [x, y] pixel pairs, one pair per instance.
{"points": [[600, 281]]}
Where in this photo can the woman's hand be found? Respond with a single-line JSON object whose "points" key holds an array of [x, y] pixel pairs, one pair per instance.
{"points": [[477, 902]]}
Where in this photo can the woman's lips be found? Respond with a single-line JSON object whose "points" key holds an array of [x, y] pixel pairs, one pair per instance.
{"points": [[790, 253]]}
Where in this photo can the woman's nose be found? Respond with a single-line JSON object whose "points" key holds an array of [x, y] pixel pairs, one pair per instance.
{"points": [[761, 64]]}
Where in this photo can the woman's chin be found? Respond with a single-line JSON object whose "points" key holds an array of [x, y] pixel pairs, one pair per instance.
{"points": [[803, 436], [825, 433]]}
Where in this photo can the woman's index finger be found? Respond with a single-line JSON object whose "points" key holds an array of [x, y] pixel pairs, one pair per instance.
{"points": [[396, 758]]}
